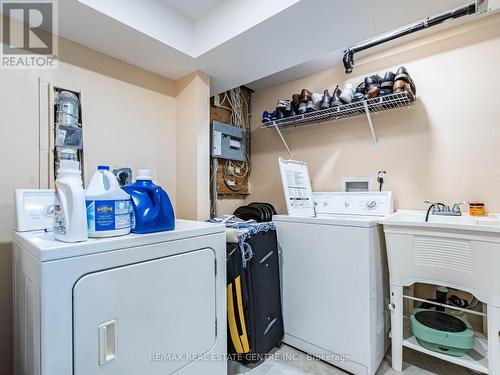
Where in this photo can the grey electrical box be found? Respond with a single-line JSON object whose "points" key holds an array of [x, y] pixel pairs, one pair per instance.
{"points": [[228, 142]]}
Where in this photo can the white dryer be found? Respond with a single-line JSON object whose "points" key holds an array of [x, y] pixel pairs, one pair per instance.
{"points": [[335, 281], [137, 304]]}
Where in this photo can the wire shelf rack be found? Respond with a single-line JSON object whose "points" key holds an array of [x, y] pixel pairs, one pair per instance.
{"points": [[346, 111]]}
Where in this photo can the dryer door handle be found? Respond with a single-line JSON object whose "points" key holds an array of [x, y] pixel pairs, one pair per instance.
{"points": [[107, 342]]}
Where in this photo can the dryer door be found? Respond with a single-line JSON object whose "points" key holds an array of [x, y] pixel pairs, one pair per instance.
{"points": [[146, 318]]}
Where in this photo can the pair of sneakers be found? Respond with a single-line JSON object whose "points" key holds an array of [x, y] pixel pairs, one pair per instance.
{"points": [[272, 116]]}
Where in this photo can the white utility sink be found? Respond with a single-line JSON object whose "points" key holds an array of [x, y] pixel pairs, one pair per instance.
{"points": [[461, 252], [414, 218]]}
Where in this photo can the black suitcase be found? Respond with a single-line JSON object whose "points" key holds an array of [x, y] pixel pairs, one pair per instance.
{"points": [[255, 320]]}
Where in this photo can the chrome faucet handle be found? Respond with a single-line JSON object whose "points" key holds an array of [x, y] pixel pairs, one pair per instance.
{"points": [[436, 206], [456, 207]]}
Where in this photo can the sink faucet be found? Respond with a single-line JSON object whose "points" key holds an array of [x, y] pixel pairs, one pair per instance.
{"points": [[441, 209]]}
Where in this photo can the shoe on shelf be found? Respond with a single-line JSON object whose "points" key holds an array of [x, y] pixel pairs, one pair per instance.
{"points": [[302, 108], [335, 101], [372, 81], [282, 104], [399, 85], [388, 81], [385, 91], [305, 96], [402, 74], [410, 92], [403, 86], [325, 100], [290, 110], [347, 94], [360, 92], [266, 116], [296, 100], [357, 97], [316, 99], [310, 106], [274, 116], [372, 92]]}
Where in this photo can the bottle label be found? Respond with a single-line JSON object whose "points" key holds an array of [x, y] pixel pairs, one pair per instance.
{"points": [[59, 222], [108, 215]]}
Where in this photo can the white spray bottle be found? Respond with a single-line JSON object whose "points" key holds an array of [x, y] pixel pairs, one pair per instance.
{"points": [[70, 214]]}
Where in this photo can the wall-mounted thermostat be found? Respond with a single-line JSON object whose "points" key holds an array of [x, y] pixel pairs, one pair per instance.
{"points": [[228, 142]]}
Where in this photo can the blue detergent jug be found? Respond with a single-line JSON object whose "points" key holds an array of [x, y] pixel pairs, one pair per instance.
{"points": [[152, 208]]}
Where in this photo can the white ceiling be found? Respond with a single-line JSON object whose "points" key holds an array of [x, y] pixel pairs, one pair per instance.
{"points": [[192, 9], [235, 41]]}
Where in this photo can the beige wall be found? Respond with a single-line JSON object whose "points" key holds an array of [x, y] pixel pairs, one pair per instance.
{"points": [[129, 120], [445, 147], [193, 147]]}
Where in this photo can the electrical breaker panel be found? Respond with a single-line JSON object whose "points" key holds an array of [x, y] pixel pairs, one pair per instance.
{"points": [[228, 142]]}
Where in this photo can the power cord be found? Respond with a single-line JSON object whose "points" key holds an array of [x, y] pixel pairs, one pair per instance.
{"points": [[381, 178]]}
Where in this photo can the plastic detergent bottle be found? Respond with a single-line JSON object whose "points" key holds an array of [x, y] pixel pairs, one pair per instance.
{"points": [[70, 219], [152, 208], [109, 210]]}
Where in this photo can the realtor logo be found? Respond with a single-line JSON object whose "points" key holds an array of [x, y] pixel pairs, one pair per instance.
{"points": [[29, 37]]}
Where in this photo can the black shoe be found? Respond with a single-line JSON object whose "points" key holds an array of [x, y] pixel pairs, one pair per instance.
{"points": [[325, 100], [360, 92], [385, 91], [388, 81], [372, 81], [335, 101], [402, 74]]}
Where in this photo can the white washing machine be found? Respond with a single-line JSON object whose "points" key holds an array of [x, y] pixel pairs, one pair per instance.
{"points": [[137, 304], [335, 281]]}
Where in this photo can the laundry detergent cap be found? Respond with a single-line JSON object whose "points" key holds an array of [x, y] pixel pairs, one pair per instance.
{"points": [[144, 174]]}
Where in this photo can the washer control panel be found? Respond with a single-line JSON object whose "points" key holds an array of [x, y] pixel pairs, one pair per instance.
{"points": [[354, 203]]}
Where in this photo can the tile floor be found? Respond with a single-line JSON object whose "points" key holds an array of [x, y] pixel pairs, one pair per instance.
{"points": [[414, 364]]}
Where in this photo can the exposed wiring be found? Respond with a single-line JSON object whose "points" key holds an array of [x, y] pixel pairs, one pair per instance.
{"points": [[236, 174], [232, 172]]}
